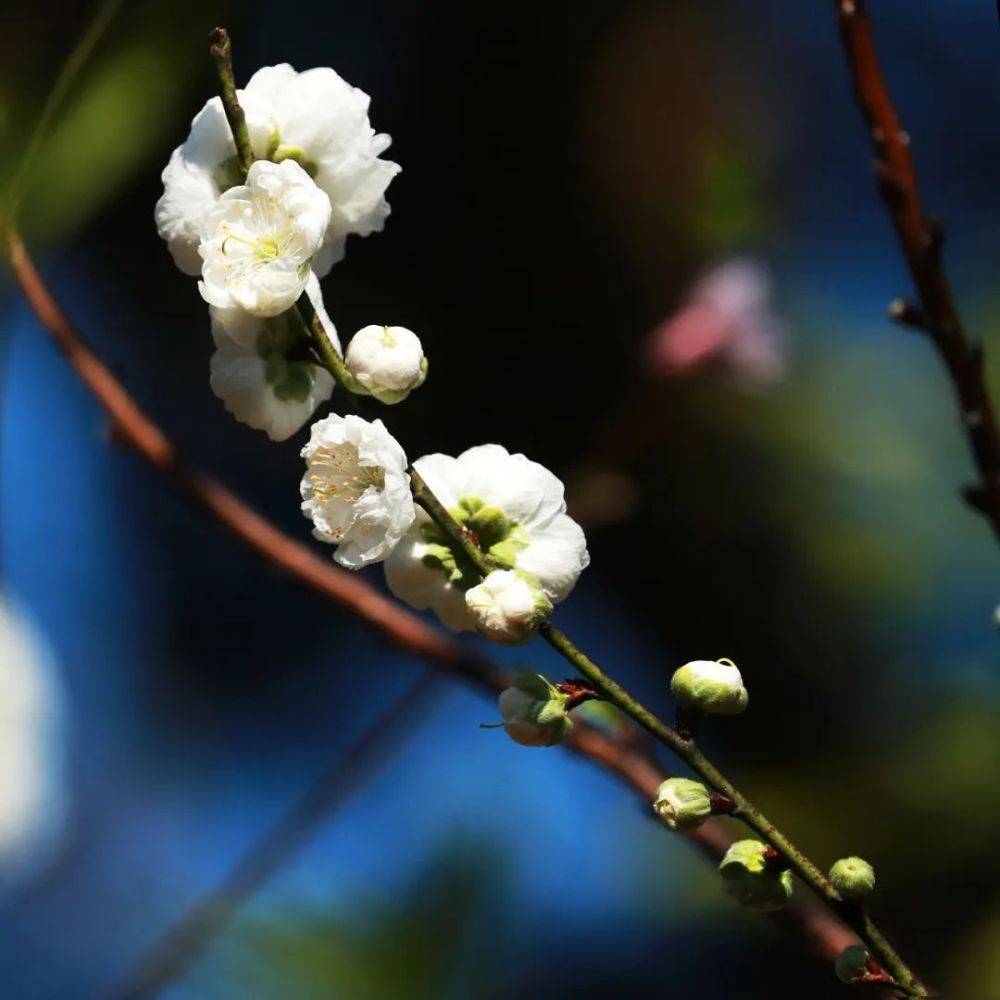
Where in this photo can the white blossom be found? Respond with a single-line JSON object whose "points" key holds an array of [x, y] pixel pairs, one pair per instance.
{"points": [[32, 780], [314, 118], [387, 360], [507, 606], [356, 490], [253, 375], [258, 240], [516, 509]]}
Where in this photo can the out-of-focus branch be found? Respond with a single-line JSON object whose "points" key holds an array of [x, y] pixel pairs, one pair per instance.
{"points": [[184, 944], [824, 934], [920, 240]]}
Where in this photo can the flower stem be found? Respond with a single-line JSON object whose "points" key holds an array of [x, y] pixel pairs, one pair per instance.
{"points": [[222, 56], [609, 689], [683, 748], [329, 356]]}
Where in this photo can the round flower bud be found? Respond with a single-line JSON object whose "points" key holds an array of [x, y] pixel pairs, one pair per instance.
{"points": [[853, 878], [682, 804], [751, 879], [714, 687], [851, 963], [387, 360], [507, 606], [534, 712]]}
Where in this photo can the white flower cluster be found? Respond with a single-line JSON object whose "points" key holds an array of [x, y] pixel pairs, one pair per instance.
{"points": [[516, 510], [260, 242], [314, 119], [356, 493]]}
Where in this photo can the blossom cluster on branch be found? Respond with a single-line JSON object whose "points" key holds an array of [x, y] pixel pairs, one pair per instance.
{"points": [[258, 202]]}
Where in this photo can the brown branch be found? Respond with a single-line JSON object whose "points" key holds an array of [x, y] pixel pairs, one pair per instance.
{"points": [[824, 934], [920, 240]]}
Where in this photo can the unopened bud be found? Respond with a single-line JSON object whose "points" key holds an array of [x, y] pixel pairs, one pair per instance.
{"points": [[752, 880], [714, 687], [508, 606], [387, 360], [534, 712], [853, 878], [851, 963], [682, 804]]}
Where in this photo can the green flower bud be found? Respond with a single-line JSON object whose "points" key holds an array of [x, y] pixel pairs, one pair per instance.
{"points": [[751, 879], [682, 804], [714, 687], [851, 963], [853, 878], [534, 712]]}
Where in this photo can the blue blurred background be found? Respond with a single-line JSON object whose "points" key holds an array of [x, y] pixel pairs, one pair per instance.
{"points": [[569, 171]]}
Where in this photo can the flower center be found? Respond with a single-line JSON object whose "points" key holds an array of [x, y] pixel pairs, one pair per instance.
{"points": [[336, 473], [264, 236], [496, 535]]}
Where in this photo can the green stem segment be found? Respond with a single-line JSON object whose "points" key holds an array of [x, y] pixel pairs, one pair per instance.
{"points": [[853, 915], [222, 56], [329, 356]]}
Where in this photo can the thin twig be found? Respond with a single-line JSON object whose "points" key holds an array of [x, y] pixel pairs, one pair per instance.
{"points": [[920, 240], [221, 51], [70, 70], [180, 948], [686, 750], [796, 859], [825, 934]]}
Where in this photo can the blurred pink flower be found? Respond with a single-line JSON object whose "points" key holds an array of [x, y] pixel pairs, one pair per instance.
{"points": [[727, 323]]}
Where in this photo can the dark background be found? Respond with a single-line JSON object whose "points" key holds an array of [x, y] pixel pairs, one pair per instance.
{"points": [[567, 171]]}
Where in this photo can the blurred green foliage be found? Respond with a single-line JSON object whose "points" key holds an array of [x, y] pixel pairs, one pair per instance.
{"points": [[435, 937], [109, 124]]}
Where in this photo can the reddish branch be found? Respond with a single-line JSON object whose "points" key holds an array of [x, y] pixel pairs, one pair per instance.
{"points": [[824, 933], [920, 240]]}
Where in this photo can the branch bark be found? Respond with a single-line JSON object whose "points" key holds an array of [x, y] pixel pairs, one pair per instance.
{"points": [[920, 241], [824, 934]]}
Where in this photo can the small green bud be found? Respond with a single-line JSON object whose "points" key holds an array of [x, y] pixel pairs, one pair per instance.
{"points": [[751, 879], [853, 878], [851, 963], [714, 687], [682, 804], [490, 524], [534, 712]]}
